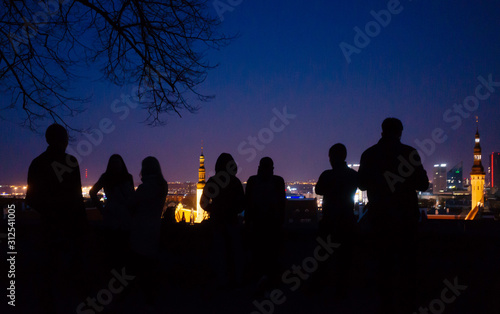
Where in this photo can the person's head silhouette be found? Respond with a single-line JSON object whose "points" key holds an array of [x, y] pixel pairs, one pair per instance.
{"points": [[57, 137], [151, 170], [226, 163], [151, 167], [266, 167], [337, 153], [392, 128], [116, 166]]}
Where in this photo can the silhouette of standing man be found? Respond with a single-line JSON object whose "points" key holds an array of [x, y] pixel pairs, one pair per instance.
{"points": [[55, 192], [264, 216], [338, 186], [391, 173]]}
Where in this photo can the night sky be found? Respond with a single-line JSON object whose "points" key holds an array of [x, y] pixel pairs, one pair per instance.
{"points": [[287, 58]]}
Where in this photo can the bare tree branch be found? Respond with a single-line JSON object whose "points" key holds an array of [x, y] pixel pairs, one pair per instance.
{"points": [[159, 46]]}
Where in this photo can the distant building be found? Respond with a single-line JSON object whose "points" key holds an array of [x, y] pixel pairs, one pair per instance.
{"points": [[196, 214], [494, 170], [439, 178], [454, 178], [201, 214], [360, 196], [477, 176]]}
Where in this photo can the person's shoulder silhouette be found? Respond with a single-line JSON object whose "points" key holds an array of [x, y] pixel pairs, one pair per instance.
{"points": [[337, 185], [392, 172], [118, 186], [223, 194], [147, 205], [265, 195], [153, 182], [54, 184]]}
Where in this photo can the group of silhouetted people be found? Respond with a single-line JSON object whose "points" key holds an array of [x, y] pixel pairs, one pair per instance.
{"points": [[389, 171], [264, 205], [131, 218]]}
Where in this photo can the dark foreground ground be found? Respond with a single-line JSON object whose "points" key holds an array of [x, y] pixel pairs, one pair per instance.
{"points": [[465, 252]]}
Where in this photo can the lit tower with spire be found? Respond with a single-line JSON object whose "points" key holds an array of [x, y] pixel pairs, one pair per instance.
{"points": [[200, 213], [477, 175]]}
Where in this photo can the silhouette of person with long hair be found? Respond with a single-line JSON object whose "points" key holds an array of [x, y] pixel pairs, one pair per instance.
{"points": [[264, 216], [118, 186], [338, 187], [392, 173], [55, 192], [223, 199], [147, 205]]}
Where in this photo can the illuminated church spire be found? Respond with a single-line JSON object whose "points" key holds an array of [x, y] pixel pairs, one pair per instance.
{"points": [[477, 168], [197, 214], [477, 178], [201, 171], [200, 213]]}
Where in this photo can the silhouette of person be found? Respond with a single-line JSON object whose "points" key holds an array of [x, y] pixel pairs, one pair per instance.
{"points": [[338, 186], [147, 205], [118, 186], [55, 192], [391, 173], [223, 199], [55, 189], [265, 200]]}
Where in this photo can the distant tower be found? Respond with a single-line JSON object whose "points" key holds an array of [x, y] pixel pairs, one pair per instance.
{"points": [[200, 213], [477, 175], [439, 179], [495, 170]]}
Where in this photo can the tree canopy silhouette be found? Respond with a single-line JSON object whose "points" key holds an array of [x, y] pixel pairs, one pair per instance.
{"points": [[160, 46]]}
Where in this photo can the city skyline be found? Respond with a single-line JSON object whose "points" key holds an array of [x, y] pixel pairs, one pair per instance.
{"points": [[287, 88]]}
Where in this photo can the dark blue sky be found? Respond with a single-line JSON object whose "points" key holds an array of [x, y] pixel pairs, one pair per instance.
{"points": [[424, 61]]}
